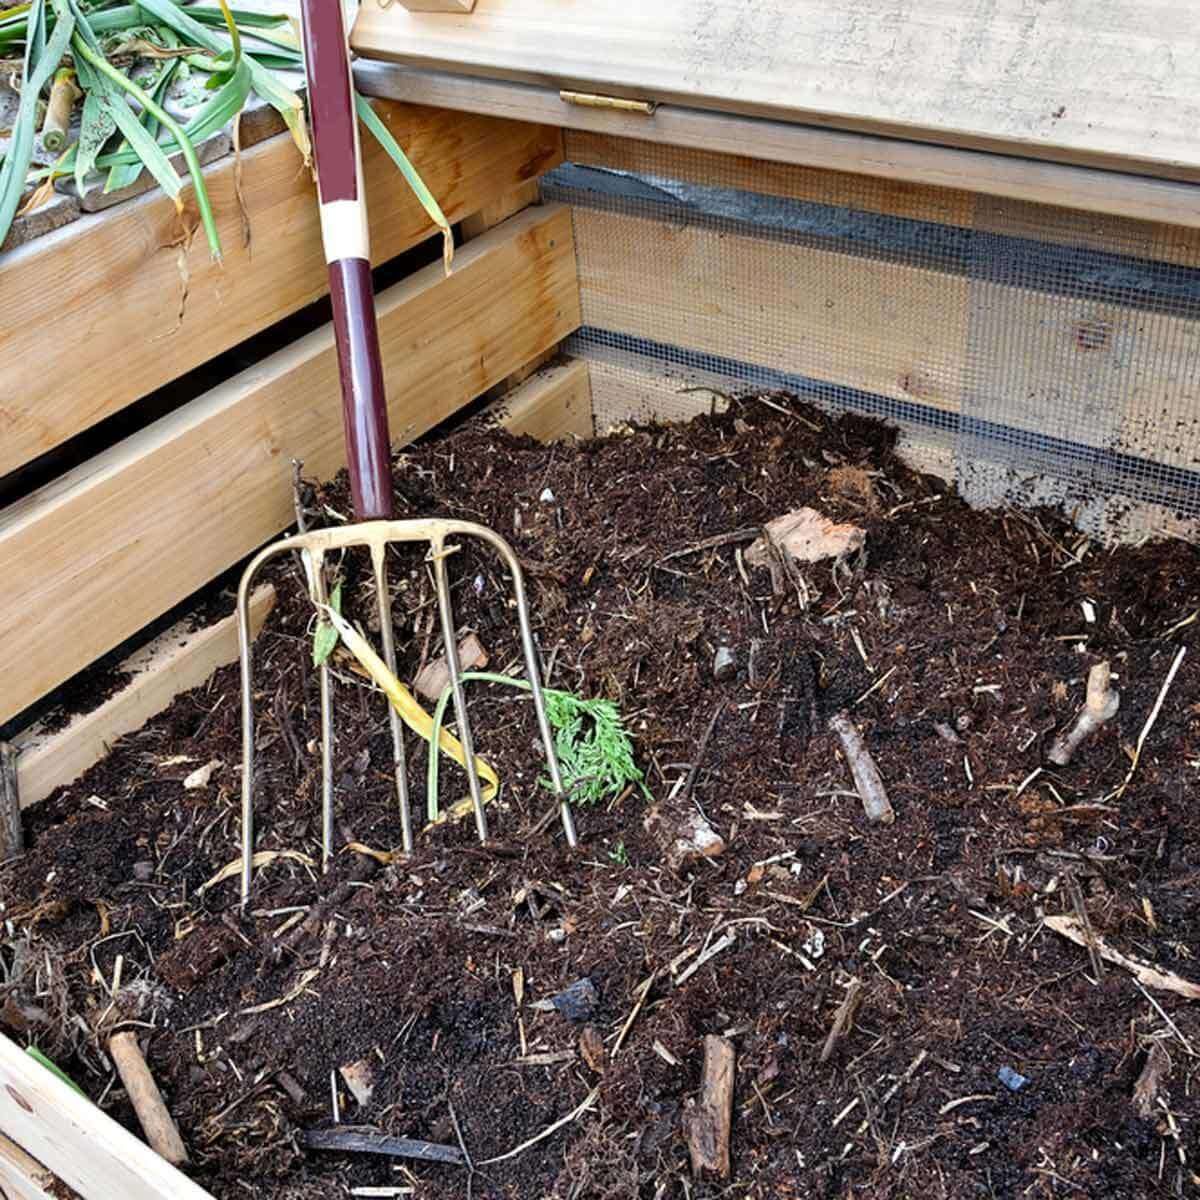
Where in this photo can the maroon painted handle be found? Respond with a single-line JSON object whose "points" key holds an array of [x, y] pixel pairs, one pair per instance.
{"points": [[360, 364]]}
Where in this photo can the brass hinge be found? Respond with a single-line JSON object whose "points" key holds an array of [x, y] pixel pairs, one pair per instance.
{"points": [[589, 100]]}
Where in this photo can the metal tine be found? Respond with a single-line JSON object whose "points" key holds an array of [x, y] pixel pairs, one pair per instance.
{"points": [[439, 552], [534, 674], [388, 636], [316, 583]]}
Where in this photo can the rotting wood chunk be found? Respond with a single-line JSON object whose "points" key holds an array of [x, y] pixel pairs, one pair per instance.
{"points": [[684, 837], [808, 537], [434, 677]]}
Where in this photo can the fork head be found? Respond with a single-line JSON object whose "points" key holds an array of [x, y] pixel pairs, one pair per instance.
{"points": [[376, 536]]}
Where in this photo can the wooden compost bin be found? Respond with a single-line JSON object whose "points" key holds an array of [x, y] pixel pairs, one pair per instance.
{"points": [[481, 101]]}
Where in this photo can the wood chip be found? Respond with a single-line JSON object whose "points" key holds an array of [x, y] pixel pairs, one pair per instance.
{"points": [[1145, 1091], [808, 537], [707, 1122], [359, 1077], [591, 1047], [434, 678]]}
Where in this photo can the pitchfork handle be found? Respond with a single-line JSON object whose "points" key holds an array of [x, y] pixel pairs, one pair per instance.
{"points": [[348, 253]]}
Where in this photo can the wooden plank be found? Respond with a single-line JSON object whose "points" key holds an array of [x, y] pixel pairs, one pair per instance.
{"points": [[101, 552], [891, 329], [23, 1177], [500, 209], [78, 1142], [1083, 188], [175, 662], [555, 402], [1112, 83], [439, 6], [120, 277]]}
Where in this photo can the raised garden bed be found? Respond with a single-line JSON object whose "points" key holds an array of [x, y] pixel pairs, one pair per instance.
{"points": [[984, 1058]]}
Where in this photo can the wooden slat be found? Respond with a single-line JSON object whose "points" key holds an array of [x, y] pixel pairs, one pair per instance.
{"points": [[83, 1146], [1086, 189], [175, 662], [97, 306], [891, 329], [1114, 83], [22, 1177], [98, 554], [555, 402]]}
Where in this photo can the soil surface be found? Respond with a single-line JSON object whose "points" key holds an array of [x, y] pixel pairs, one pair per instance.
{"points": [[982, 1056]]}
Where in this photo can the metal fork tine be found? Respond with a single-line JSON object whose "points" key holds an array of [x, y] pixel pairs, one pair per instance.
{"points": [[388, 635], [438, 553], [319, 595]]}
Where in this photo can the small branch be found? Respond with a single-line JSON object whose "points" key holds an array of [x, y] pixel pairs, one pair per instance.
{"points": [[1165, 981], [156, 1122], [1101, 706], [843, 1019], [1145, 1091], [866, 774], [1137, 753], [694, 771], [707, 1123], [378, 1143]]}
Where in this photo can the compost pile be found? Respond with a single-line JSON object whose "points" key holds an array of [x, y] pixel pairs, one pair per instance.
{"points": [[903, 1020]]}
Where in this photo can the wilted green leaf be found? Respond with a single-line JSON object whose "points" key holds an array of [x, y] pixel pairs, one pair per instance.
{"points": [[325, 639]]}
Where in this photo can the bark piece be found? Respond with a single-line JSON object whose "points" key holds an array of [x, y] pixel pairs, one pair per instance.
{"points": [[156, 1122], [359, 1077], [867, 779], [684, 838], [12, 839], [591, 1047], [434, 677], [707, 1122], [1145, 1091]]}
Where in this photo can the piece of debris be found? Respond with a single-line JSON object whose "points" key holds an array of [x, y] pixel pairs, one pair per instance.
{"points": [[707, 1121], [843, 1019], [1164, 981], [1145, 1091], [1101, 705], [371, 1142], [693, 837], [152, 1114], [359, 1077], [12, 839], [578, 1001], [853, 483], [591, 1048], [866, 774], [434, 677], [201, 776], [1011, 1079], [724, 664], [547, 496], [807, 536]]}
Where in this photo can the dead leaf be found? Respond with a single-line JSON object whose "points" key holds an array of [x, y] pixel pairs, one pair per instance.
{"points": [[200, 777], [264, 858], [434, 677], [854, 483], [808, 537]]}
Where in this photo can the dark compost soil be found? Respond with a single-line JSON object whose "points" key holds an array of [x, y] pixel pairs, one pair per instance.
{"points": [[960, 644]]}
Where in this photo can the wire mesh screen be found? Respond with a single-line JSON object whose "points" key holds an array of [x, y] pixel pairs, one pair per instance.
{"points": [[1038, 355]]}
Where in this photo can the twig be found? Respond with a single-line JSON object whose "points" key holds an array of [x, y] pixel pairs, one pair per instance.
{"points": [[842, 1019], [378, 1143], [1137, 753], [642, 993], [716, 948], [152, 1114], [1089, 933], [721, 539], [1162, 1012], [589, 1100], [693, 774], [1165, 981], [1101, 706], [866, 774]]}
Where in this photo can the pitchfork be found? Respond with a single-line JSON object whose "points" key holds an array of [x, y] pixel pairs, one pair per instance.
{"points": [[364, 407]]}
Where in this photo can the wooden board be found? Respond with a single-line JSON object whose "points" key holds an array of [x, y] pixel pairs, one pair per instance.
{"points": [[119, 278], [22, 1177], [83, 1146], [1083, 188], [1111, 83], [103, 551], [554, 402], [175, 662]]}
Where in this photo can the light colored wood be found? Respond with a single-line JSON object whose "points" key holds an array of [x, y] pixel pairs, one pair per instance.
{"points": [[83, 1146], [1103, 82], [902, 162], [152, 1113], [438, 6], [888, 328], [101, 552], [500, 209], [175, 662], [12, 837], [120, 278], [708, 1122], [554, 403], [24, 1178]]}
